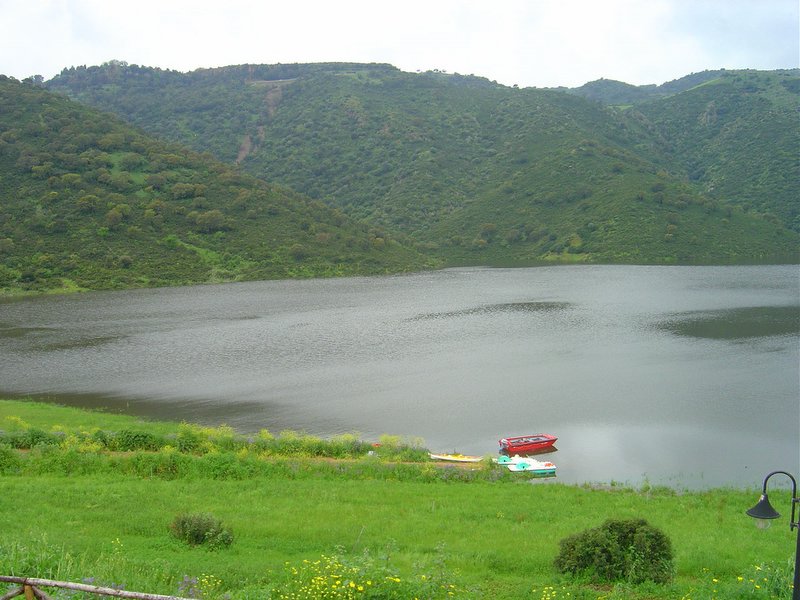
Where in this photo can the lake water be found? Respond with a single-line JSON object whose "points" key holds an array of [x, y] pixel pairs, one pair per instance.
{"points": [[683, 376]]}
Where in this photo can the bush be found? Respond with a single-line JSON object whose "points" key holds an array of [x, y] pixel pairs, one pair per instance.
{"points": [[31, 438], [9, 459], [629, 550], [190, 438], [201, 529], [127, 440], [167, 464]]}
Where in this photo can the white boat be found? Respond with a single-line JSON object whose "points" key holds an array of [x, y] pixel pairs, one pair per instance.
{"points": [[526, 463]]}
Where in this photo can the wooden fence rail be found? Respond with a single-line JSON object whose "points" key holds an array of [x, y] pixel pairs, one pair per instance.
{"points": [[29, 587]]}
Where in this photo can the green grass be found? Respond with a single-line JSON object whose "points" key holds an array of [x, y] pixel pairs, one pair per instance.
{"points": [[50, 416], [489, 539]]}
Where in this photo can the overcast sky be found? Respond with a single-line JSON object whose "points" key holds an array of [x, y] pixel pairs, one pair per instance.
{"points": [[542, 43]]}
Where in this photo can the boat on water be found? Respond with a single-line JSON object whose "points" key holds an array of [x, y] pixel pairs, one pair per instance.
{"points": [[457, 458], [538, 442], [526, 463]]}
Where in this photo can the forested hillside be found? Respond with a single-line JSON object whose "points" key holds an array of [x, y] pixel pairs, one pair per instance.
{"points": [[481, 173], [738, 137], [86, 201]]}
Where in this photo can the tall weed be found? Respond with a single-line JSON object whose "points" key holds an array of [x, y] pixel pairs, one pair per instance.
{"points": [[201, 529], [37, 558]]}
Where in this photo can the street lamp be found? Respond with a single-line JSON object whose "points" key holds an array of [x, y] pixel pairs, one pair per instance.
{"points": [[764, 513]]}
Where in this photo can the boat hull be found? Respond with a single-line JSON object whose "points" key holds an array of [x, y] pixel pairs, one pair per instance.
{"points": [[528, 444], [529, 465], [457, 458]]}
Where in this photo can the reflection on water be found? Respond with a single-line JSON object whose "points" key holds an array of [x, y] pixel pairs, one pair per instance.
{"points": [[532, 307], [652, 373], [91, 342], [10, 331], [737, 323]]}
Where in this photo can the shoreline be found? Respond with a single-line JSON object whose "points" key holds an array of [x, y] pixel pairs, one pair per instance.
{"points": [[46, 416]]}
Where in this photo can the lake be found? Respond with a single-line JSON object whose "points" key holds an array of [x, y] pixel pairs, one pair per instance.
{"points": [[679, 376]]}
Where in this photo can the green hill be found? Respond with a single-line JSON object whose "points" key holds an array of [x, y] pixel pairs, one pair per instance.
{"points": [[86, 201], [610, 91], [477, 172], [738, 137]]}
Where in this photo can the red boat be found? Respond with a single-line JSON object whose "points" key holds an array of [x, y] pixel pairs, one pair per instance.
{"points": [[538, 442]]}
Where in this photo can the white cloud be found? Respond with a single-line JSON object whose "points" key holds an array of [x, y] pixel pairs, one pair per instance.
{"points": [[527, 42]]}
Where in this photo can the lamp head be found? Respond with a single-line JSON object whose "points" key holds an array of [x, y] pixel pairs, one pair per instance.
{"points": [[763, 512]]}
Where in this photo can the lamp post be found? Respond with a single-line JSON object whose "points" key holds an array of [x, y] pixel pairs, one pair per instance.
{"points": [[764, 513]]}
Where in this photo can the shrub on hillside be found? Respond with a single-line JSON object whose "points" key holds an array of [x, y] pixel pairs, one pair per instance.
{"points": [[201, 529], [619, 550]]}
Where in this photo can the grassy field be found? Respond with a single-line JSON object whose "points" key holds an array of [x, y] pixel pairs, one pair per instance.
{"points": [[76, 512]]}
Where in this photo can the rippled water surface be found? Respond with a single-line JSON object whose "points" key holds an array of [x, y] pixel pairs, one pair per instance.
{"points": [[686, 376]]}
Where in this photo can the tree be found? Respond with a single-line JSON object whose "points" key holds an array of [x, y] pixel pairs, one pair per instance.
{"points": [[210, 221], [488, 231], [298, 251], [113, 218]]}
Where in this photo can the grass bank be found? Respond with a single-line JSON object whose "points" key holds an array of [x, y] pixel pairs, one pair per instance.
{"points": [[75, 511]]}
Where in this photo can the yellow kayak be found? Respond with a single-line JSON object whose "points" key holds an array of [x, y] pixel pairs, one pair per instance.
{"points": [[457, 458]]}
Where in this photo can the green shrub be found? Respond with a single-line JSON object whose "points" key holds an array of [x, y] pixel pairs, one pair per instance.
{"points": [[127, 440], [63, 461], [32, 437], [102, 438], [225, 465], [629, 550], [9, 459], [347, 445], [224, 438], [190, 438], [396, 448], [167, 463], [201, 529]]}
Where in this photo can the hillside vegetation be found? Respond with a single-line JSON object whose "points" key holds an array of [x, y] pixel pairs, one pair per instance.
{"points": [[87, 201], [481, 173], [733, 133], [738, 137], [610, 91]]}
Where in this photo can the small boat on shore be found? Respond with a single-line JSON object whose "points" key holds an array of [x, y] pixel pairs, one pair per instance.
{"points": [[538, 442], [525, 463], [457, 458]]}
